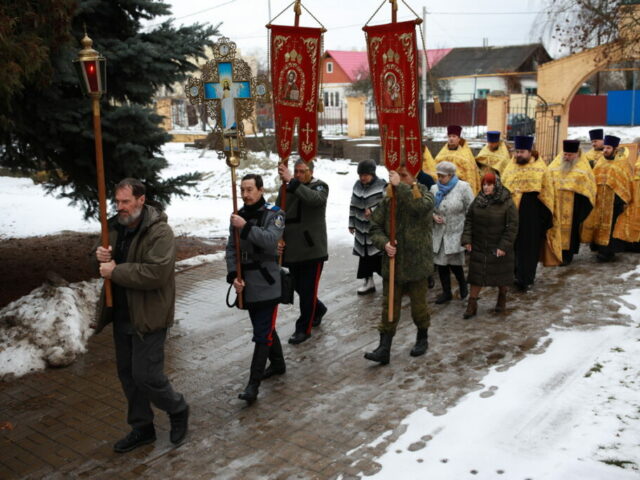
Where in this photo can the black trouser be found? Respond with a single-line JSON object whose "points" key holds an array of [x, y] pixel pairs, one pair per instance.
{"points": [[140, 363], [445, 276], [306, 278], [263, 320], [368, 265]]}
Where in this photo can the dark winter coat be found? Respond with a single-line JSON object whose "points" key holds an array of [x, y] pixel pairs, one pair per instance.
{"points": [[414, 221], [488, 229], [259, 253], [305, 232], [148, 275], [364, 196]]}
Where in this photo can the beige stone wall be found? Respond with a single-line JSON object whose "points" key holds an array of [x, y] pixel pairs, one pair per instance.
{"points": [[163, 107], [497, 109], [356, 116]]}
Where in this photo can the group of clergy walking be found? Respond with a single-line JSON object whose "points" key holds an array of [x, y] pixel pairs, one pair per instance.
{"points": [[591, 197]]}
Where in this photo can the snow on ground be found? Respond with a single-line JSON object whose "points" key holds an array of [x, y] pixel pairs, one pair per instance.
{"points": [[49, 326], [571, 413], [198, 260]]}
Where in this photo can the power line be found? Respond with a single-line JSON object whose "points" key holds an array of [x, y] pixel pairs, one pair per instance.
{"points": [[194, 13]]}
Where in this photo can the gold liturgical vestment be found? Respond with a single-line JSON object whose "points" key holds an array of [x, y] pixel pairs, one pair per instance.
{"points": [[580, 180], [534, 177], [628, 225], [490, 160], [466, 167], [592, 156], [613, 178], [429, 164]]}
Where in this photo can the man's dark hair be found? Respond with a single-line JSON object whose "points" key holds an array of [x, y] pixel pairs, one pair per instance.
{"points": [[137, 187], [254, 176]]}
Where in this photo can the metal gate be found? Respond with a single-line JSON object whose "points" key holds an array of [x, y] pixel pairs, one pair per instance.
{"points": [[531, 115]]}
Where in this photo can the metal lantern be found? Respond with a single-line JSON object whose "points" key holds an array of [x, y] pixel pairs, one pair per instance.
{"points": [[91, 68]]}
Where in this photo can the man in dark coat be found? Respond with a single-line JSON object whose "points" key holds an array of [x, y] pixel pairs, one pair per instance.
{"points": [[305, 242], [140, 263], [261, 226], [527, 179], [413, 253]]}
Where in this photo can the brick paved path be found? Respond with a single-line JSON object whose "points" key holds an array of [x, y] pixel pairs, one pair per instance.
{"points": [[318, 420]]}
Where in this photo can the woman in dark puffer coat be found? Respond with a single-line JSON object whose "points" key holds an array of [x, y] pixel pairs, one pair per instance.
{"points": [[490, 231]]}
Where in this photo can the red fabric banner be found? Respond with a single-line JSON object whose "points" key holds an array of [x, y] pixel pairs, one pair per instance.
{"points": [[393, 63], [295, 77]]}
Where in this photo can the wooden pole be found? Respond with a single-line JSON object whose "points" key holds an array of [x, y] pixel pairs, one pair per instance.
{"points": [[392, 211], [283, 202], [298, 11], [236, 231], [102, 191]]}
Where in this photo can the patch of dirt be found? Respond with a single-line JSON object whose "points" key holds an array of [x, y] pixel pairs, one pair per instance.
{"points": [[24, 262]]}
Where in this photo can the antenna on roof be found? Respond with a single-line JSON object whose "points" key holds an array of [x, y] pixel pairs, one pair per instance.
{"points": [[485, 42]]}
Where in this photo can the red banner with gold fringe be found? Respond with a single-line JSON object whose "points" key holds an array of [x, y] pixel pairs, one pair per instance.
{"points": [[393, 65], [295, 77]]}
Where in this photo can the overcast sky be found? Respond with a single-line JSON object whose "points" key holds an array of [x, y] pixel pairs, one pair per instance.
{"points": [[452, 23]]}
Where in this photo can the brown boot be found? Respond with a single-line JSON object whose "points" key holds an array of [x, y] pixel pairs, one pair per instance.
{"points": [[501, 304], [472, 308]]}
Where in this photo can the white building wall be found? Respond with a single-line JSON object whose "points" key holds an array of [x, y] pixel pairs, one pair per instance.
{"points": [[462, 88]]}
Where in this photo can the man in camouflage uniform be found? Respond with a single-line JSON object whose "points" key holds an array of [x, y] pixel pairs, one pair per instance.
{"points": [[413, 253]]}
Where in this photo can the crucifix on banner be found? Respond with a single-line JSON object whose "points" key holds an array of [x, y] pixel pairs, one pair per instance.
{"points": [[228, 91]]}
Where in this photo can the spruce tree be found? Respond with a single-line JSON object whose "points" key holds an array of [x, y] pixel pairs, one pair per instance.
{"points": [[49, 122]]}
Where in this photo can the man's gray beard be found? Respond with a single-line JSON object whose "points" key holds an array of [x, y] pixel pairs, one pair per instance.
{"points": [[568, 165], [126, 221]]}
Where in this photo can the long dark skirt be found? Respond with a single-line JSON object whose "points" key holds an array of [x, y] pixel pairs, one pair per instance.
{"points": [[368, 265]]}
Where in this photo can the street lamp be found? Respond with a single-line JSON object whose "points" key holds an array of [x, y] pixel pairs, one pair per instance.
{"points": [[92, 72]]}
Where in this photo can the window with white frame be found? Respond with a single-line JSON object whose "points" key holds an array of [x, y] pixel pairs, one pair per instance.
{"points": [[329, 67]]}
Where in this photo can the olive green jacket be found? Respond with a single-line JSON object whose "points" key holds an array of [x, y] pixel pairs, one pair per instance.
{"points": [[305, 231], [148, 275], [414, 222]]}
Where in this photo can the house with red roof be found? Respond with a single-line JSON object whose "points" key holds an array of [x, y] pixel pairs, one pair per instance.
{"points": [[341, 68]]}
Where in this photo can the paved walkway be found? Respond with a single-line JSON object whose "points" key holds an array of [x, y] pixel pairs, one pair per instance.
{"points": [[315, 422]]}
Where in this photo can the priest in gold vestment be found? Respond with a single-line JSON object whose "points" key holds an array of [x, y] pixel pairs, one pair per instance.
{"points": [[597, 144], [458, 152], [613, 183], [574, 197], [628, 226], [527, 179], [494, 156]]}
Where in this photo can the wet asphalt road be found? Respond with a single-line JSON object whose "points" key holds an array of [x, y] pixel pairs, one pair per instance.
{"points": [[317, 420]]}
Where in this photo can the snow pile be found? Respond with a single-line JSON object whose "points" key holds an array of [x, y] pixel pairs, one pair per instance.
{"points": [[571, 413], [49, 326], [198, 260]]}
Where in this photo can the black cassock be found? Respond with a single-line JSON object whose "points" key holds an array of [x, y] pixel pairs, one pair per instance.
{"points": [[535, 220], [581, 210], [607, 252]]}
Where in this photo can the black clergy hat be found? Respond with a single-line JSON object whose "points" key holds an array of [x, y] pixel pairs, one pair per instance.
{"points": [[523, 142], [612, 141], [570, 146], [454, 130], [493, 136], [596, 134]]}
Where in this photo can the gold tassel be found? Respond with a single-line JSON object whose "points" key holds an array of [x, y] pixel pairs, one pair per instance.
{"points": [[389, 190], [320, 106], [437, 108], [416, 191]]}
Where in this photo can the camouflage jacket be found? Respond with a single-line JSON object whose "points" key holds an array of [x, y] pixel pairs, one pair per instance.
{"points": [[414, 221]]}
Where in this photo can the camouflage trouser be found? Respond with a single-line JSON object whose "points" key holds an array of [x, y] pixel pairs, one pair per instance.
{"points": [[417, 292]]}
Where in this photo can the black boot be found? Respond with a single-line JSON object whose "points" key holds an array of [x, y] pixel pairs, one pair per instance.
{"points": [[276, 359], [383, 352], [259, 360], [422, 343], [462, 282], [445, 281], [136, 438], [179, 426]]}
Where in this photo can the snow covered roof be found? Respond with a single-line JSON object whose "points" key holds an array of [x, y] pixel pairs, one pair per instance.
{"points": [[354, 62]]}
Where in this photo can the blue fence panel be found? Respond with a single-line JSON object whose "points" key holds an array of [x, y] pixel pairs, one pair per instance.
{"points": [[619, 105]]}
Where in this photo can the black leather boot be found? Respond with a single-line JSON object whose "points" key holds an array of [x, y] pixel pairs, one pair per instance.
{"points": [[179, 426], [136, 438], [462, 282], [422, 343], [276, 359], [381, 354], [445, 281], [258, 362]]}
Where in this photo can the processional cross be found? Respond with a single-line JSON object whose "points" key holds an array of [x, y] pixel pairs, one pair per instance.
{"points": [[228, 92]]}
